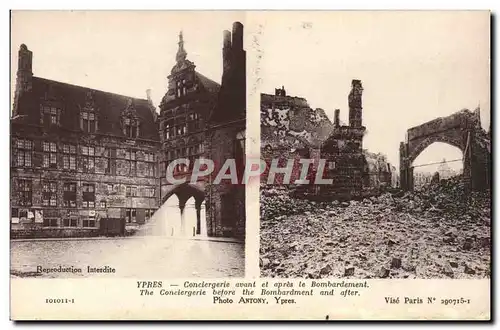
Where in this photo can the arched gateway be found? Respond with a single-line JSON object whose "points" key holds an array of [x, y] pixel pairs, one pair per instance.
{"points": [[183, 193], [462, 130]]}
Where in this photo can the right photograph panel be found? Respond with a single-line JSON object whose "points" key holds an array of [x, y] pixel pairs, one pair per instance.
{"points": [[375, 128]]}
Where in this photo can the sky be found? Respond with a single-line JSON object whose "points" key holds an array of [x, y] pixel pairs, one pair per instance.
{"points": [[414, 67], [123, 52]]}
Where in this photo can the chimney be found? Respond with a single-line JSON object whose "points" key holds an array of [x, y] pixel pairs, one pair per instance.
{"points": [[24, 81], [280, 91], [336, 118], [237, 36], [24, 68], [355, 104], [226, 51]]}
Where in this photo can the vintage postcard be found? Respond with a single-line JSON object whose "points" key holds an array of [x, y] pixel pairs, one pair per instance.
{"points": [[250, 165]]}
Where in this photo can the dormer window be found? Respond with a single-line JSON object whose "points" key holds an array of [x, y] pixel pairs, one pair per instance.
{"points": [[131, 128], [130, 121], [51, 114], [88, 122]]}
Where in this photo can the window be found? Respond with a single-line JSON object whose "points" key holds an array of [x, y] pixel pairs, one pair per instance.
{"points": [[131, 191], [131, 128], [23, 213], [88, 195], [130, 215], [110, 188], [109, 160], [69, 196], [131, 162], [70, 222], [90, 222], [49, 155], [181, 89], [178, 90], [181, 129], [88, 122], [149, 192], [24, 153], [49, 193], [69, 157], [50, 222], [149, 157], [193, 122], [169, 129], [331, 165], [25, 189], [50, 114], [149, 214], [150, 170], [88, 159], [103, 204], [149, 166]]}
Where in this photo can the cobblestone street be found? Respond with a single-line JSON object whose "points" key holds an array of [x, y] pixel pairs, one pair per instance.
{"points": [[157, 257]]}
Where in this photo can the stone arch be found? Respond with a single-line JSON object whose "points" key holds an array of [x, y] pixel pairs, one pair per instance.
{"points": [[191, 198], [185, 191], [460, 130], [426, 142]]}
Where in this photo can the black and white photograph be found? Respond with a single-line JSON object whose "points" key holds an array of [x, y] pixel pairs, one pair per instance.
{"points": [[376, 132], [105, 103]]}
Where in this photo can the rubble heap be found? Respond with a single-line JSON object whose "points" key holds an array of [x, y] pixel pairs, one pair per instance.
{"points": [[436, 232]]}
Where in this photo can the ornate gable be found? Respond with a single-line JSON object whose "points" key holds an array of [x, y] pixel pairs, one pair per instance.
{"points": [[89, 113]]}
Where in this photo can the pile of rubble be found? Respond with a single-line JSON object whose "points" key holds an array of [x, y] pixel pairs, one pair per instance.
{"points": [[436, 232], [276, 203]]}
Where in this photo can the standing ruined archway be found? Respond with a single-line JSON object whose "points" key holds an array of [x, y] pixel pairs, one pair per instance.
{"points": [[462, 130]]}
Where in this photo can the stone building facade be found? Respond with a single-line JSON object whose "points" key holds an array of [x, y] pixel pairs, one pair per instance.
{"points": [[200, 118], [83, 161], [87, 162]]}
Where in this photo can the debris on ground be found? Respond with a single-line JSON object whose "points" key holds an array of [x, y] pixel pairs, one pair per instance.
{"points": [[435, 232]]}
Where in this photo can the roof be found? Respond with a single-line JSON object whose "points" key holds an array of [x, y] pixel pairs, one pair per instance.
{"points": [[72, 98], [209, 85]]}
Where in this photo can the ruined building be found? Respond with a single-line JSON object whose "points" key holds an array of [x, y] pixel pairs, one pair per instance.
{"points": [[378, 172], [88, 162], [290, 129], [343, 150]]}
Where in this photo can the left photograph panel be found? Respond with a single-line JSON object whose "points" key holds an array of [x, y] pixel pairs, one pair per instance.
{"points": [[122, 127]]}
